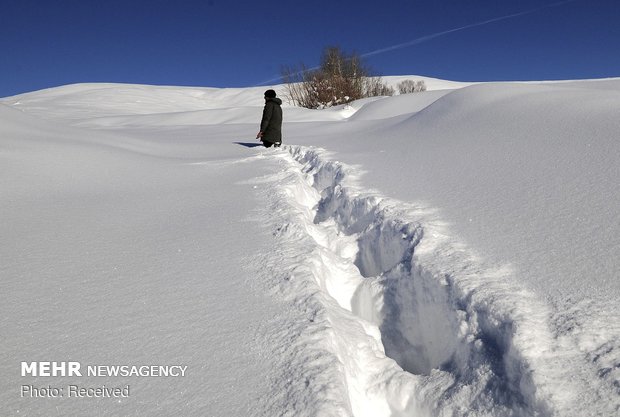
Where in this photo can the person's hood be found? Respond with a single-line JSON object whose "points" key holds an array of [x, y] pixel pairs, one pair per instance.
{"points": [[275, 100]]}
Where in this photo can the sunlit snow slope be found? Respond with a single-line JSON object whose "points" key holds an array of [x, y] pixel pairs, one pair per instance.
{"points": [[448, 253]]}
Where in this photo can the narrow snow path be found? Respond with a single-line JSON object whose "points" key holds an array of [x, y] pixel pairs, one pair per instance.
{"points": [[417, 325]]}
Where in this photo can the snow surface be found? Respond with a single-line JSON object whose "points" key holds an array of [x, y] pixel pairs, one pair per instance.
{"points": [[448, 253]]}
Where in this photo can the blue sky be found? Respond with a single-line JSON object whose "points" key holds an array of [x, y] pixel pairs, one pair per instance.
{"points": [[229, 43]]}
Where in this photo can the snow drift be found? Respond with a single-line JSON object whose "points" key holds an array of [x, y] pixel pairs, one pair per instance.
{"points": [[453, 252]]}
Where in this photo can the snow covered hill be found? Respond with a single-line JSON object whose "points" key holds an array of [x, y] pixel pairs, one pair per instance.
{"points": [[448, 253]]}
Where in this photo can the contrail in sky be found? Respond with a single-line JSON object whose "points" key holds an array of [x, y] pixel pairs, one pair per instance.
{"points": [[445, 32], [426, 38]]}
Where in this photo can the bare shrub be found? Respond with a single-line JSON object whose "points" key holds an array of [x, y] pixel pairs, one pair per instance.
{"points": [[376, 87], [410, 86], [339, 79], [301, 86]]}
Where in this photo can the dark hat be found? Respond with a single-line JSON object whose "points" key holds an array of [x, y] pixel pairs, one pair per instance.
{"points": [[270, 94]]}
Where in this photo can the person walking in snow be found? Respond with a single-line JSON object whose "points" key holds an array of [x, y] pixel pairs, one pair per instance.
{"points": [[271, 124]]}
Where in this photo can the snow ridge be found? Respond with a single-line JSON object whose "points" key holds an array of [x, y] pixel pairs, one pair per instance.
{"points": [[417, 323]]}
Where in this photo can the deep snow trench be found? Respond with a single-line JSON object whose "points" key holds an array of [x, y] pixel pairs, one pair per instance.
{"points": [[418, 324]]}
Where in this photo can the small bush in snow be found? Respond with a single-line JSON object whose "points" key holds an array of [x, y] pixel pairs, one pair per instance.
{"points": [[410, 86], [376, 87], [339, 79]]}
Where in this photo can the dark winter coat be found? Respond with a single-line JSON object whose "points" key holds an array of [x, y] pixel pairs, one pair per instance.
{"points": [[271, 124]]}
